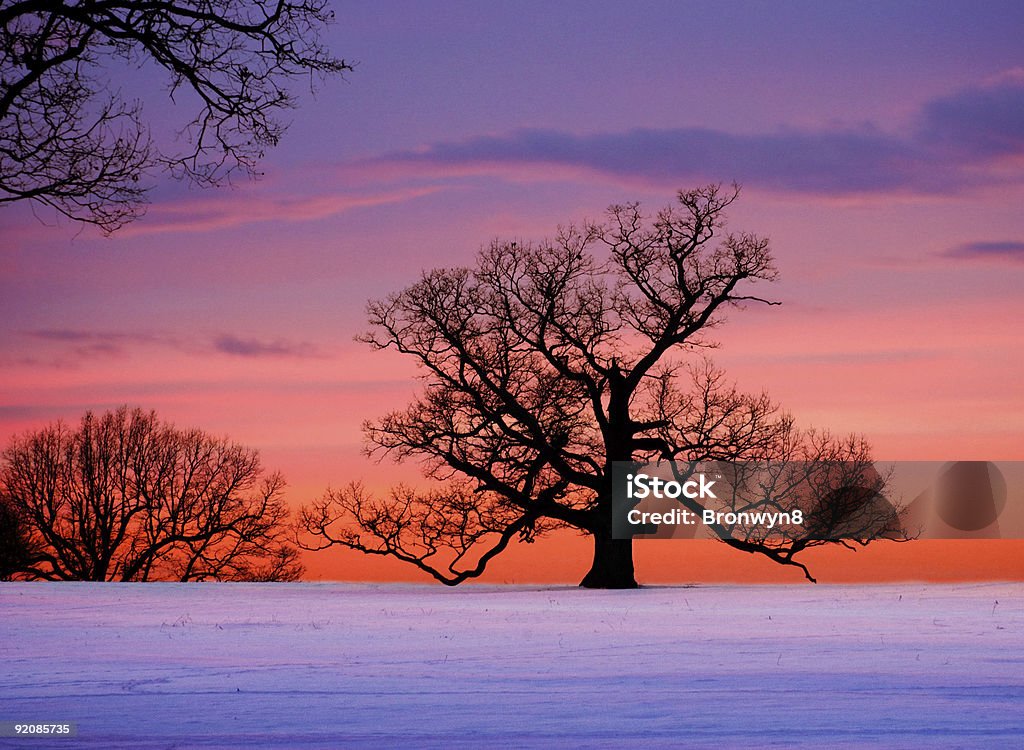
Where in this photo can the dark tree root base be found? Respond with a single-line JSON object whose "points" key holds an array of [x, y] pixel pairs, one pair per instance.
{"points": [[597, 582], [612, 567]]}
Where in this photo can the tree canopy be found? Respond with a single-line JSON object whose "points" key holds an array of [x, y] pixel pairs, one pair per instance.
{"points": [[127, 497]]}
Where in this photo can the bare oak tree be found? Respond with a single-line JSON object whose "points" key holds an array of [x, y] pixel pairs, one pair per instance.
{"points": [[546, 364], [127, 497], [69, 140]]}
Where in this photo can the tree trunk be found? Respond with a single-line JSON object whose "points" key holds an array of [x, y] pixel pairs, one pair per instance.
{"points": [[613, 563]]}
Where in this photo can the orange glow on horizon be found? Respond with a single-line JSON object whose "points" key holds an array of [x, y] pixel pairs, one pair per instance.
{"points": [[563, 558]]}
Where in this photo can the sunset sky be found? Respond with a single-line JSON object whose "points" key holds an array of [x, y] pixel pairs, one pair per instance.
{"points": [[881, 149]]}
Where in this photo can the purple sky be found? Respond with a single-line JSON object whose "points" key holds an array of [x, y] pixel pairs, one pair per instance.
{"points": [[881, 148]]}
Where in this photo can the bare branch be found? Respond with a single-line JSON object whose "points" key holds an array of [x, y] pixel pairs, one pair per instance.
{"points": [[70, 142]]}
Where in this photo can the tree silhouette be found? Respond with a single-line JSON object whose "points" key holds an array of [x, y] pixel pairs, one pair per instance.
{"points": [[546, 364], [70, 141], [126, 497], [16, 549]]}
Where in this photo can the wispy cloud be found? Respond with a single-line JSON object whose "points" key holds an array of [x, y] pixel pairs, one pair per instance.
{"points": [[85, 344], [954, 142], [233, 208], [239, 347], [1011, 251], [66, 347]]}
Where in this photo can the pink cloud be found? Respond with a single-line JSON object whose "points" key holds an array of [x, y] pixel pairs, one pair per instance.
{"points": [[230, 208]]}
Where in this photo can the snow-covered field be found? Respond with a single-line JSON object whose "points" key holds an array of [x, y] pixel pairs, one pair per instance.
{"points": [[341, 665]]}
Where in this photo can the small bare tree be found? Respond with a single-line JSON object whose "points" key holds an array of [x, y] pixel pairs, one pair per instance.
{"points": [[127, 497], [547, 364], [70, 141]]}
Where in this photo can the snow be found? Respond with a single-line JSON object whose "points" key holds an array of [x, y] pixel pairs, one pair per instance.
{"points": [[342, 665]]}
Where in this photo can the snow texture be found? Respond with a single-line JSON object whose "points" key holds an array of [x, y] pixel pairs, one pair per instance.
{"points": [[342, 665]]}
